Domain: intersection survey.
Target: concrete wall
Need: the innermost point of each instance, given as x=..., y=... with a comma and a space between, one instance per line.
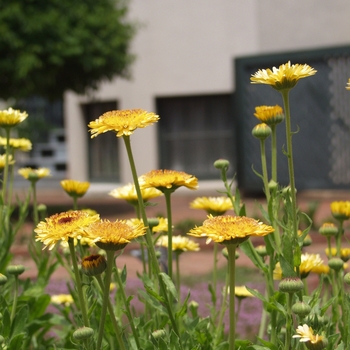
x=186, y=47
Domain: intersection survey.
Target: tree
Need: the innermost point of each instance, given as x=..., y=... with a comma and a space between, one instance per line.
x=50, y=46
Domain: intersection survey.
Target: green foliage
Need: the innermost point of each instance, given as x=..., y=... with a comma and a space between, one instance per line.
x=48, y=47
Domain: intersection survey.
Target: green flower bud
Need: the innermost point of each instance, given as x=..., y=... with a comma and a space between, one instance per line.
x=42, y=208
x=2, y=340
x=261, y=131
x=347, y=278
x=261, y=250
x=272, y=185
x=15, y=270
x=328, y=229
x=3, y=279
x=153, y=222
x=336, y=264
x=160, y=333
x=225, y=253
x=93, y=265
x=291, y=285
x=221, y=164
x=83, y=333
x=301, y=309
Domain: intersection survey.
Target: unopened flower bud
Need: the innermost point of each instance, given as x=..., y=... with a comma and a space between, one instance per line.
x=336, y=264
x=272, y=185
x=301, y=309
x=261, y=250
x=328, y=229
x=3, y=279
x=221, y=164
x=153, y=222
x=83, y=333
x=15, y=270
x=261, y=131
x=159, y=333
x=93, y=265
x=291, y=285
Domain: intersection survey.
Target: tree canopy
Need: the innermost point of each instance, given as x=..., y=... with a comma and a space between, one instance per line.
x=50, y=46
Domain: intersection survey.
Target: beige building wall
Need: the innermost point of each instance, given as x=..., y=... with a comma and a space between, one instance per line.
x=186, y=47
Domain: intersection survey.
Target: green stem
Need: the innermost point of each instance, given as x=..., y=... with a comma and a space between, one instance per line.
x=75, y=203
x=11, y=178
x=117, y=329
x=127, y=309
x=264, y=170
x=289, y=322
x=338, y=238
x=231, y=248
x=6, y=169
x=15, y=298
x=78, y=283
x=273, y=153
x=178, y=283
x=35, y=204
x=329, y=247
x=167, y=194
x=285, y=95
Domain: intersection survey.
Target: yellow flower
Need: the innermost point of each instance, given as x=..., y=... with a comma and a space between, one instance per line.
x=277, y=272
x=162, y=225
x=308, y=262
x=179, y=244
x=123, y=122
x=348, y=85
x=168, y=179
x=128, y=193
x=3, y=160
x=62, y=299
x=24, y=145
x=75, y=188
x=320, y=269
x=230, y=229
x=242, y=292
x=212, y=205
x=61, y=227
x=34, y=174
x=11, y=117
x=341, y=210
x=306, y=334
x=269, y=115
x=115, y=235
x=344, y=253
x=93, y=265
x=284, y=77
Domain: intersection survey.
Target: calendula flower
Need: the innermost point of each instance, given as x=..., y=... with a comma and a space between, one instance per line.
x=312, y=341
x=308, y=262
x=168, y=180
x=34, y=174
x=62, y=299
x=115, y=235
x=341, y=210
x=22, y=144
x=3, y=160
x=230, y=229
x=179, y=244
x=241, y=292
x=348, y=85
x=93, y=265
x=270, y=115
x=62, y=226
x=328, y=229
x=320, y=269
x=128, y=193
x=344, y=253
x=122, y=122
x=277, y=272
x=284, y=77
x=75, y=188
x=212, y=205
x=11, y=117
x=162, y=225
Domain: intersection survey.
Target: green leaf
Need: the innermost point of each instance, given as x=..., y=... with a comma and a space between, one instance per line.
x=19, y=322
x=248, y=249
x=287, y=268
x=6, y=323
x=169, y=284
x=268, y=344
x=16, y=342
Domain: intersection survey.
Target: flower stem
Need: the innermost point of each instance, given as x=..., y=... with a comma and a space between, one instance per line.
x=231, y=248
x=273, y=152
x=35, y=204
x=285, y=95
x=338, y=238
x=107, y=283
x=167, y=195
x=178, y=283
x=6, y=169
x=116, y=327
x=78, y=283
x=287, y=345
x=15, y=298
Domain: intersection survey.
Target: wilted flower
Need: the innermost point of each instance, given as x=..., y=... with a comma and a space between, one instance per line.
x=75, y=188
x=168, y=180
x=230, y=229
x=212, y=205
x=123, y=122
x=11, y=117
x=283, y=78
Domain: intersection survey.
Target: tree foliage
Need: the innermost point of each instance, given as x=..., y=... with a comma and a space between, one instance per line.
x=50, y=46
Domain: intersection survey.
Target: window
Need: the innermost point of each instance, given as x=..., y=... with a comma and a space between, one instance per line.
x=194, y=131
x=102, y=150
